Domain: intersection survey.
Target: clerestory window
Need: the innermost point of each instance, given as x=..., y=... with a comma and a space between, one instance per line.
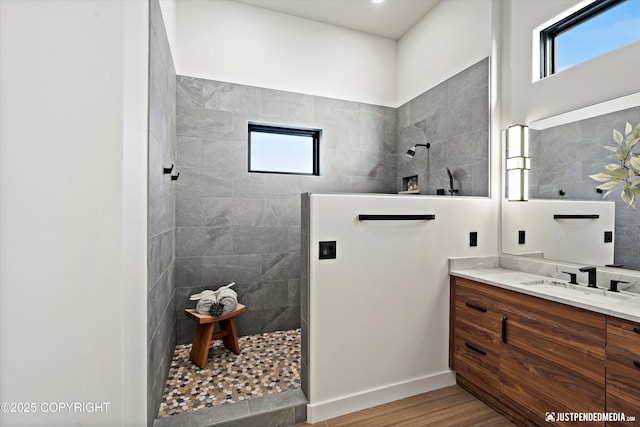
x=601, y=27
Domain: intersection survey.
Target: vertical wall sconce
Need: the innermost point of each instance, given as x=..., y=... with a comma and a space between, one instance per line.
x=518, y=163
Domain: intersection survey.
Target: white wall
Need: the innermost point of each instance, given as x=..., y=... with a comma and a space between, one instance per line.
x=168, y=8
x=379, y=312
x=228, y=41
x=524, y=100
x=450, y=38
x=73, y=78
x=237, y=43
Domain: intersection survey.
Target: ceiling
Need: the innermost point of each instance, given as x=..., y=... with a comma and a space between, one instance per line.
x=390, y=19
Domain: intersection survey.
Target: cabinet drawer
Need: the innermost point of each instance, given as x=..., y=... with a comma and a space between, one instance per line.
x=481, y=294
x=477, y=363
x=479, y=323
x=477, y=333
x=623, y=334
x=623, y=383
x=478, y=314
x=623, y=368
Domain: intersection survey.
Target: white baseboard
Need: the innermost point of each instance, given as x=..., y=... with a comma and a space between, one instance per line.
x=332, y=408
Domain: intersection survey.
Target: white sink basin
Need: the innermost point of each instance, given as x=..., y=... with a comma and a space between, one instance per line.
x=579, y=292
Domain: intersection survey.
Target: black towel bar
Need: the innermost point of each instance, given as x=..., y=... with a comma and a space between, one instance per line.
x=590, y=216
x=395, y=217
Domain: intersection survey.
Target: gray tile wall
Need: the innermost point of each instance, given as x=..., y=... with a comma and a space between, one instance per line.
x=563, y=157
x=161, y=337
x=454, y=117
x=235, y=226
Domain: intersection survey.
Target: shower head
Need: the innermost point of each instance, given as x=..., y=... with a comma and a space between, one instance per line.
x=412, y=151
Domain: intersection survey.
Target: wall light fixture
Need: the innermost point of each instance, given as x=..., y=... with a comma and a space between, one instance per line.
x=518, y=163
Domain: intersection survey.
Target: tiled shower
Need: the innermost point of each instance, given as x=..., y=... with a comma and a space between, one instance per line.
x=217, y=223
x=232, y=225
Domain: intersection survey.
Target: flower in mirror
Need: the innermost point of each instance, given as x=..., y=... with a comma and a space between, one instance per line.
x=625, y=173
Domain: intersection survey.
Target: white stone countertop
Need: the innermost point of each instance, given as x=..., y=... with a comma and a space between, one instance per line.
x=624, y=305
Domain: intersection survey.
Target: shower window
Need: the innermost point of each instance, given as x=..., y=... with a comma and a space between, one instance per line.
x=283, y=150
x=601, y=27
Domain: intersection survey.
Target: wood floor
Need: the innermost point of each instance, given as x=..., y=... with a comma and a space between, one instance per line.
x=450, y=406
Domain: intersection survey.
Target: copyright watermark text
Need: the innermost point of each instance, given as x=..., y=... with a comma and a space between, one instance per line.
x=54, y=407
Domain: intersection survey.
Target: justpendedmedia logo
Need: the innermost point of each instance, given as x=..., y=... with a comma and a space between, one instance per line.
x=551, y=417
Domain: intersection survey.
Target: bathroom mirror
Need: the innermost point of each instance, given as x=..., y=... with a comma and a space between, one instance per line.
x=564, y=151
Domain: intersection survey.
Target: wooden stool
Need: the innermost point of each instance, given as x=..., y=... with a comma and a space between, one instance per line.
x=205, y=325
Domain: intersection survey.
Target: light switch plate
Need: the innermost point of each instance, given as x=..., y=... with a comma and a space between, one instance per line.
x=521, y=237
x=328, y=250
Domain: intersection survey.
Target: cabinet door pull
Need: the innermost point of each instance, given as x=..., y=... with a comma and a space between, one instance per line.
x=477, y=350
x=504, y=329
x=636, y=330
x=636, y=364
x=475, y=307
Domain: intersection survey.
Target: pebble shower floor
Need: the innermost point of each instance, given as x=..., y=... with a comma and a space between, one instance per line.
x=267, y=364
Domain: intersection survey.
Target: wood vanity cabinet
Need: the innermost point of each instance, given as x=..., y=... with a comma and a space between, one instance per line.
x=526, y=356
x=623, y=369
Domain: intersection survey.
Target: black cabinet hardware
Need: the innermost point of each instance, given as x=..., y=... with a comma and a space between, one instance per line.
x=475, y=307
x=636, y=330
x=504, y=329
x=592, y=216
x=362, y=217
x=636, y=364
x=477, y=350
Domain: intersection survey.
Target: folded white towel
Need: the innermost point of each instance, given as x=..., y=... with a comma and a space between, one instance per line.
x=228, y=298
x=224, y=295
x=204, y=304
x=208, y=292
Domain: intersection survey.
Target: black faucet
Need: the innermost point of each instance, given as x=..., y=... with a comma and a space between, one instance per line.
x=452, y=190
x=572, y=277
x=592, y=275
x=614, y=285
